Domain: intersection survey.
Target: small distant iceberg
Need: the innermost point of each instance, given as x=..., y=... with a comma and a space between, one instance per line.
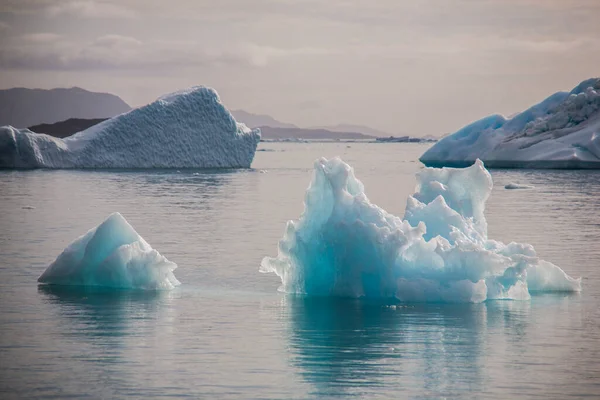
x=185, y=129
x=563, y=131
x=112, y=255
x=513, y=185
x=345, y=246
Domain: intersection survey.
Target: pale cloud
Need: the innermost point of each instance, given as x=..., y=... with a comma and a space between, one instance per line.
x=273, y=56
x=40, y=51
x=48, y=51
x=546, y=45
x=4, y=26
x=40, y=38
x=457, y=44
x=460, y=45
x=116, y=41
x=90, y=9
x=69, y=8
x=261, y=55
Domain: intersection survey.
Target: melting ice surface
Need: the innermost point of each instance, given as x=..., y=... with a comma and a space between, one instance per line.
x=112, y=255
x=186, y=129
x=343, y=245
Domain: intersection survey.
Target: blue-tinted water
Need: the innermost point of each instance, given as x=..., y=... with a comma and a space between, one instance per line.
x=227, y=333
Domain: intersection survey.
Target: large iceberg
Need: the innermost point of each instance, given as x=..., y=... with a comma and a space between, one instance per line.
x=343, y=245
x=185, y=129
x=562, y=131
x=112, y=255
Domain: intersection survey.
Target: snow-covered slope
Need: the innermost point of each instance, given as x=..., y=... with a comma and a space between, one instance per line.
x=185, y=129
x=343, y=245
x=562, y=131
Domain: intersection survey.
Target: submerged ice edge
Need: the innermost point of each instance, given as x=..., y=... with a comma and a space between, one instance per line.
x=112, y=255
x=343, y=245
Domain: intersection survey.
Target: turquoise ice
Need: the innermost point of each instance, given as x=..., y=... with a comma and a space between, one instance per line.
x=343, y=245
x=112, y=255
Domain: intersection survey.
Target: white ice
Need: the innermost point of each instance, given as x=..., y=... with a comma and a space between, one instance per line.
x=112, y=255
x=186, y=129
x=563, y=131
x=343, y=245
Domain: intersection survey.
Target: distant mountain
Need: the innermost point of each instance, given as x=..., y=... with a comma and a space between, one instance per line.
x=430, y=137
x=269, y=132
x=356, y=128
x=258, y=120
x=262, y=120
x=22, y=107
x=66, y=128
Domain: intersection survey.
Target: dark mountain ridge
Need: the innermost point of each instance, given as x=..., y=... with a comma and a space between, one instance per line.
x=66, y=128
x=22, y=107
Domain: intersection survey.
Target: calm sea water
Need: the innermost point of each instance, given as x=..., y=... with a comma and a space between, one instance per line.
x=227, y=332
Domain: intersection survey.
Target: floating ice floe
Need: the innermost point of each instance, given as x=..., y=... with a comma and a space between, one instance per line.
x=343, y=245
x=563, y=131
x=112, y=255
x=513, y=185
x=186, y=129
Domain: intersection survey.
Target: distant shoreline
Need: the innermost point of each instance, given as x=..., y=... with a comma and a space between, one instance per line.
x=71, y=126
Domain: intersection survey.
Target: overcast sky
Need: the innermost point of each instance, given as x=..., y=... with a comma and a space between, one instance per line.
x=417, y=67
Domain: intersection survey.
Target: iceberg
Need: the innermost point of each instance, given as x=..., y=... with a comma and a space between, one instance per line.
x=345, y=246
x=112, y=255
x=563, y=131
x=185, y=129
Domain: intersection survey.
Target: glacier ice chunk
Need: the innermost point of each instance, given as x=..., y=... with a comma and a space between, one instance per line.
x=562, y=131
x=343, y=245
x=185, y=129
x=112, y=255
x=513, y=185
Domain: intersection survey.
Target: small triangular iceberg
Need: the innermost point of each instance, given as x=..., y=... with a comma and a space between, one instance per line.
x=112, y=255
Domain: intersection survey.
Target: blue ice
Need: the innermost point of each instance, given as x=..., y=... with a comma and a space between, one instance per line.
x=343, y=245
x=112, y=255
x=559, y=132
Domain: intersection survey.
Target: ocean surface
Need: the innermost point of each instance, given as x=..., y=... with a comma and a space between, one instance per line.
x=227, y=333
